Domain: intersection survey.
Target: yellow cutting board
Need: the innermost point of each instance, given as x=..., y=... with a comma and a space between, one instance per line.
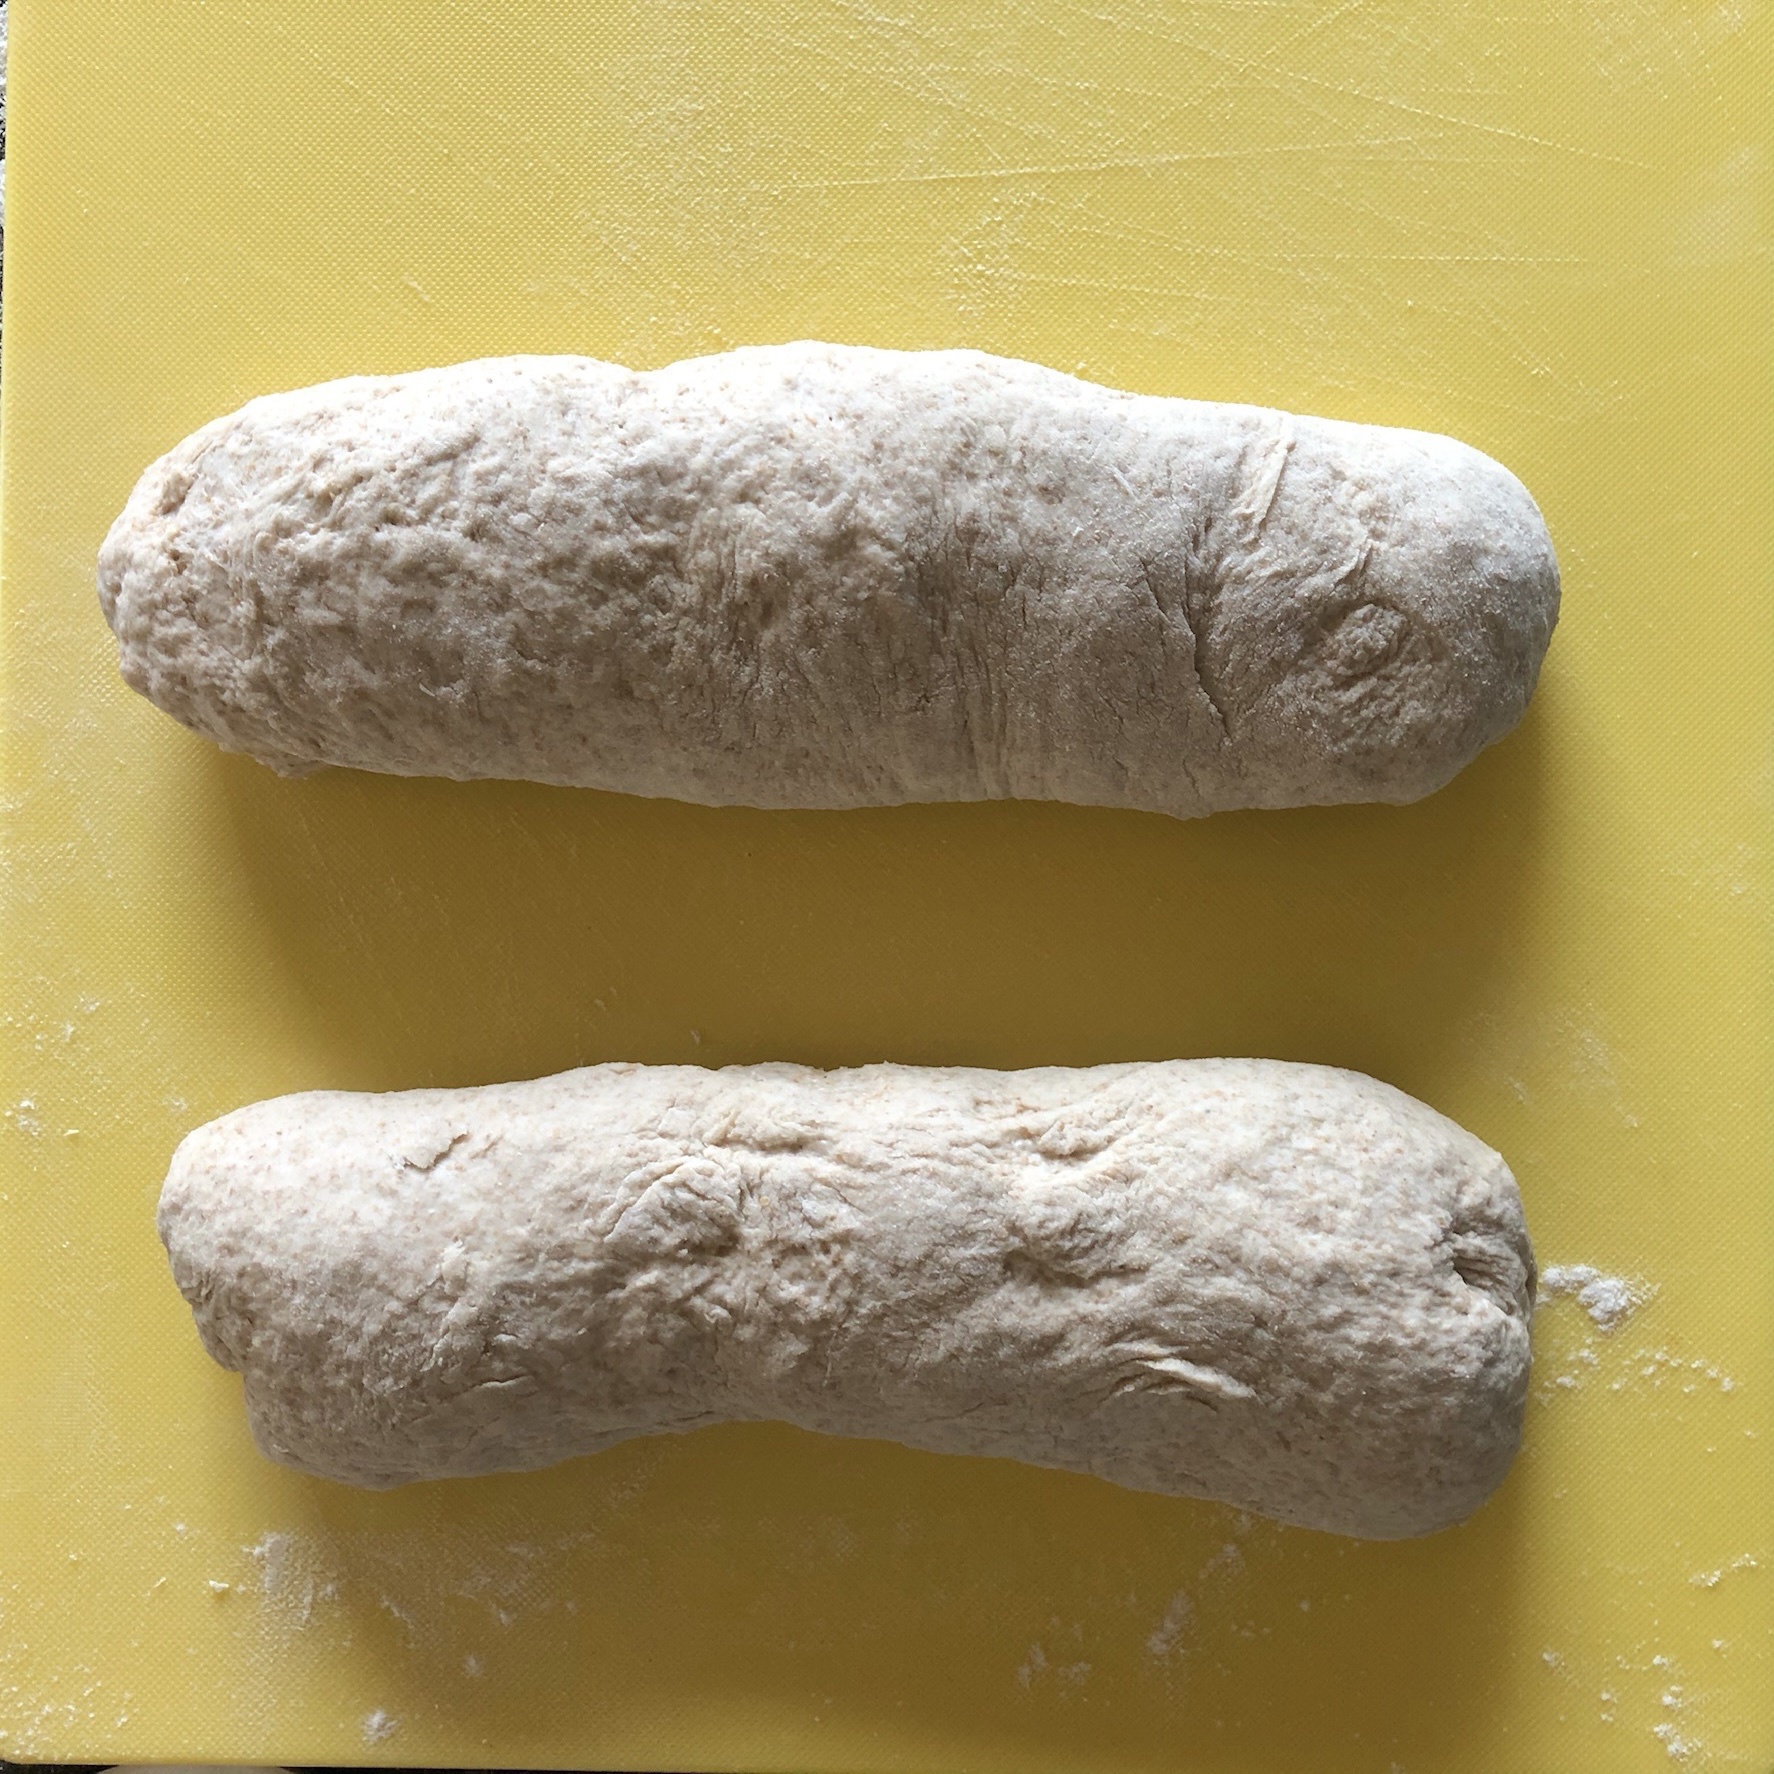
x=1543, y=229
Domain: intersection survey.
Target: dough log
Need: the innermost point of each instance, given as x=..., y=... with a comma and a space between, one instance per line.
x=1288, y=1288
x=825, y=576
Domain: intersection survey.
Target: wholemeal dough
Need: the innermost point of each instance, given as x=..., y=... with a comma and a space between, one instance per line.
x=1286, y=1287
x=825, y=576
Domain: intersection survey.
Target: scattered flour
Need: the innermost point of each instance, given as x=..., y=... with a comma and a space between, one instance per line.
x=379, y=1726
x=1169, y=1636
x=1227, y=1561
x=270, y=1554
x=1679, y=1748
x=303, y=1577
x=1037, y=1666
x=290, y=1577
x=1608, y=1299
x=1166, y=1635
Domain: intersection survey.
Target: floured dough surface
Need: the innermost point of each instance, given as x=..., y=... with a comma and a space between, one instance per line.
x=825, y=576
x=1286, y=1287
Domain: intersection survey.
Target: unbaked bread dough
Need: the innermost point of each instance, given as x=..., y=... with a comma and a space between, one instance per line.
x=1286, y=1287
x=825, y=576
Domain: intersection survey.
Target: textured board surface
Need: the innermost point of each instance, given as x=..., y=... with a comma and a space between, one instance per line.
x=1543, y=230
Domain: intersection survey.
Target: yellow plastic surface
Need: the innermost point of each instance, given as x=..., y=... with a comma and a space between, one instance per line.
x=1541, y=228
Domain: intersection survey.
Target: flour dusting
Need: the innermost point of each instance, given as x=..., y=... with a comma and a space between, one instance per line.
x=1037, y=1667
x=1164, y=1638
x=1679, y=1747
x=1173, y=1631
x=1608, y=1299
x=271, y=1553
x=379, y=1726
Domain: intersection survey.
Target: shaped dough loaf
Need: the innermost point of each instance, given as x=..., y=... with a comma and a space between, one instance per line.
x=823, y=576
x=1289, y=1288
